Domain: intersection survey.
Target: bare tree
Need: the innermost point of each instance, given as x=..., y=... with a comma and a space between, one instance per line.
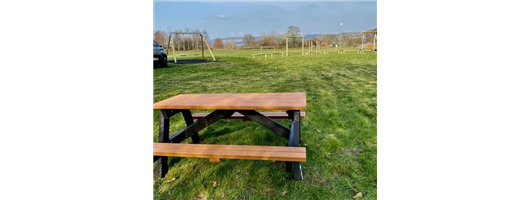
x=280, y=39
x=196, y=38
x=230, y=44
x=247, y=39
x=205, y=35
x=313, y=41
x=353, y=41
x=293, y=31
x=331, y=39
x=179, y=40
x=254, y=44
x=169, y=35
x=218, y=43
x=189, y=43
x=268, y=39
x=187, y=40
x=160, y=37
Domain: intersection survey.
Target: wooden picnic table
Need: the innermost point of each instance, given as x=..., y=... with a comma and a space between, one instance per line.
x=225, y=106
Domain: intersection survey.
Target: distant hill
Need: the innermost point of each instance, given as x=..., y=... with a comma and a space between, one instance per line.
x=239, y=40
x=311, y=36
x=344, y=34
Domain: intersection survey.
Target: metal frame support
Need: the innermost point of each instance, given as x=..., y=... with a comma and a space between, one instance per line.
x=189, y=121
x=200, y=124
x=163, y=136
x=193, y=127
x=294, y=141
x=266, y=122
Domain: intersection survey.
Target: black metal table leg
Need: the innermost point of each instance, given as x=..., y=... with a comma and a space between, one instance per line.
x=193, y=127
x=289, y=165
x=163, y=136
x=294, y=141
x=163, y=133
x=189, y=121
x=266, y=122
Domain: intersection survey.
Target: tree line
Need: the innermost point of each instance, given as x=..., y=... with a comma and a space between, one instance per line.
x=187, y=42
x=181, y=42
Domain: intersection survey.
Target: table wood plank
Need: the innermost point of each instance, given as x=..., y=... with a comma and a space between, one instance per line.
x=236, y=115
x=237, y=101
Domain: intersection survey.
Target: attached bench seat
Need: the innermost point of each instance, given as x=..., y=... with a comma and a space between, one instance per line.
x=236, y=115
x=217, y=152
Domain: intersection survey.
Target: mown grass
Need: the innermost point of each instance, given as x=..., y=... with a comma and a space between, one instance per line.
x=340, y=130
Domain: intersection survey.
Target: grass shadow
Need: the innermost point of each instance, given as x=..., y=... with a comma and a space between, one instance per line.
x=171, y=161
x=211, y=133
x=190, y=61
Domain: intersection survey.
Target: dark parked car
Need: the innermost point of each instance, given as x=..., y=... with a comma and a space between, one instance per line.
x=159, y=56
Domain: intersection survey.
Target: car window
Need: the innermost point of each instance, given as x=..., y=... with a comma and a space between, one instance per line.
x=155, y=44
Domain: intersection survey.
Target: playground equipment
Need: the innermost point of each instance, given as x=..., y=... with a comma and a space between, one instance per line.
x=337, y=51
x=265, y=54
x=317, y=47
x=287, y=44
x=202, y=45
x=258, y=54
x=261, y=48
x=373, y=45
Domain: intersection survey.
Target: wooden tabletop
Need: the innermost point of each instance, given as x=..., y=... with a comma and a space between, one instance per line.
x=239, y=101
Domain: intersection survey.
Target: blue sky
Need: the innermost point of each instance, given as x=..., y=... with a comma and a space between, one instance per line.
x=234, y=19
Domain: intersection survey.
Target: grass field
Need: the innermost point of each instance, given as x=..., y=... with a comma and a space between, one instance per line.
x=339, y=132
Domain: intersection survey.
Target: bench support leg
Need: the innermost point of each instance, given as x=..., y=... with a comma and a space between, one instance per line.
x=193, y=127
x=294, y=141
x=200, y=124
x=163, y=136
x=266, y=122
x=189, y=121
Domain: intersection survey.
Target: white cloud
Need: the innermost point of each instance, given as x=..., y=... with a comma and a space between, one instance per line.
x=221, y=16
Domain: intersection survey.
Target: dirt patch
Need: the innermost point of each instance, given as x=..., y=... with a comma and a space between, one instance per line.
x=314, y=180
x=353, y=152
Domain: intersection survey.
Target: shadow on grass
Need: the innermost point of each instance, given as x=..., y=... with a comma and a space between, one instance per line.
x=171, y=161
x=211, y=133
x=190, y=61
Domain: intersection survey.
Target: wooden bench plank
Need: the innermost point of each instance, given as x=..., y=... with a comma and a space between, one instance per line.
x=221, y=147
x=247, y=155
x=217, y=152
x=236, y=115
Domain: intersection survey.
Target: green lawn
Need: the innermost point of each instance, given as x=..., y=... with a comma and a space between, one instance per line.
x=340, y=130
